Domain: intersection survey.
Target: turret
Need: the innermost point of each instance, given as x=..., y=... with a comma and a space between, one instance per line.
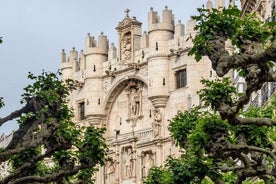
x=160, y=32
x=167, y=16
x=219, y=4
x=63, y=56
x=190, y=26
x=81, y=61
x=90, y=41
x=209, y=5
x=103, y=41
x=179, y=29
x=112, y=52
x=153, y=17
x=231, y=3
x=66, y=65
x=145, y=40
x=95, y=56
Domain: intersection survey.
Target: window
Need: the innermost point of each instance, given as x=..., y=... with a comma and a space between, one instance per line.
x=181, y=78
x=81, y=111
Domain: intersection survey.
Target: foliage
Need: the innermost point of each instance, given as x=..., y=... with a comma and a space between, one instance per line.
x=159, y=175
x=229, y=24
x=224, y=140
x=49, y=146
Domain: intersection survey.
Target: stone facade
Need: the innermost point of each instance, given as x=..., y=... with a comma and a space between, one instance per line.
x=264, y=8
x=5, y=167
x=135, y=89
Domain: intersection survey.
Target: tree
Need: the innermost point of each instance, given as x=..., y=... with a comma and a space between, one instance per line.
x=48, y=146
x=225, y=142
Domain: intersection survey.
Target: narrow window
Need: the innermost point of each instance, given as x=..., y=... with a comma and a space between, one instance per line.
x=181, y=78
x=81, y=111
x=164, y=81
x=94, y=68
x=156, y=46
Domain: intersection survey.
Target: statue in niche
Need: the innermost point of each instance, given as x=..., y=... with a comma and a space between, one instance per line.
x=134, y=102
x=148, y=162
x=134, y=92
x=126, y=47
x=156, y=125
x=128, y=163
x=110, y=172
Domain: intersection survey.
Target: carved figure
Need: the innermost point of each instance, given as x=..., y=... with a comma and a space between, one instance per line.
x=128, y=163
x=134, y=102
x=126, y=48
x=110, y=171
x=156, y=125
x=148, y=163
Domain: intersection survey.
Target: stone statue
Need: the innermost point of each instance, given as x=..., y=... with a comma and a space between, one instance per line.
x=135, y=100
x=128, y=163
x=148, y=162
x=110, y=171
x=156, y=125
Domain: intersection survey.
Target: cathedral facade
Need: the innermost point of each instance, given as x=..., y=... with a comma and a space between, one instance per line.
x=135, y=89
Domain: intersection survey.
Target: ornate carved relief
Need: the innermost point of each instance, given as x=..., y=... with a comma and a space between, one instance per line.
x=126, y=48
x=134, y=93
x=127, y=157
x=156, y=124
x=147, y=162
x=110, y=170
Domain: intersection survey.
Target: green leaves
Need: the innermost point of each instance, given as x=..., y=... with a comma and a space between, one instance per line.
x=182, y=124
x=217, y=92
x=93, y=148
x=47, y=132
x=159, y=175
x=228, y=23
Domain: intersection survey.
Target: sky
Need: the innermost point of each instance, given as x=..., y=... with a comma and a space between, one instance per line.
x=35, y=31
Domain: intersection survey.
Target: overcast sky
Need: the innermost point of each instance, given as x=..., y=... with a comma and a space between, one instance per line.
x=35, y=31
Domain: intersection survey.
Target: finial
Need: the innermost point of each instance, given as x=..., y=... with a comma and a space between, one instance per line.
x=93, y=37
x=151, y=8
x=179, y=21
x=134, y=18
x=166, y=7
x=81, y=50
x=231, y=3
x=102, y=33
x=73, y=48
x=88, y=34
x=62, y=50
x=127, y=11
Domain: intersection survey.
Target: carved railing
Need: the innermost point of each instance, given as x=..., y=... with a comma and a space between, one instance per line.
x=141, y=135
x=144, y=134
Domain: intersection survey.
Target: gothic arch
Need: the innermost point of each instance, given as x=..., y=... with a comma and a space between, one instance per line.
x=116, y=89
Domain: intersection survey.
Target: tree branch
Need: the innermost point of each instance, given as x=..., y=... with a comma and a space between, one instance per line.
x=14, y=114
x=51, y=177
x=246, y=148
x=256, y=121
